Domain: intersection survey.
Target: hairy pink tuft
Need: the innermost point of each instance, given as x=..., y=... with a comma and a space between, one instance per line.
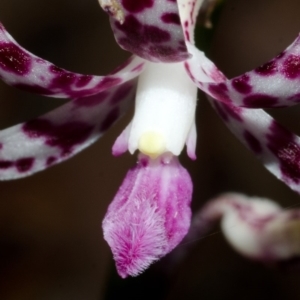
x=150, y=214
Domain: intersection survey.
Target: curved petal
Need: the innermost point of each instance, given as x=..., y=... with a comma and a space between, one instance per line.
x=257, y=228
x=274, y=145
x=150, y=29
x=189, y=10
x=38, y=144
x=274, y=84
x=24, y=70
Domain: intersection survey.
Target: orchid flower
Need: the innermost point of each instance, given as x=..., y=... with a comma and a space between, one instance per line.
x=150, y=213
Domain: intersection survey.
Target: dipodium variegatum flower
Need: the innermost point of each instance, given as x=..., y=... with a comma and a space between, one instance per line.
x=150, y=213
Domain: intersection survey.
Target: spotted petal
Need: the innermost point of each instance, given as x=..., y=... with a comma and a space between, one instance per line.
x=274, y=145
x=24, y=70
x=150, y=29
x=50, y=139
x=277, y=147
x=189, y=10
x=274, y=84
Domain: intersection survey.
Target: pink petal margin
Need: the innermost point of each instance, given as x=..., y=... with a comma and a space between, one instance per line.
x=149, y=215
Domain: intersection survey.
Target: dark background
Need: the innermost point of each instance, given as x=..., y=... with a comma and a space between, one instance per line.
x=51, y=244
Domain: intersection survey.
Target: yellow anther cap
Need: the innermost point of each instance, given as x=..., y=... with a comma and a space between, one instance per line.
x=152, y=144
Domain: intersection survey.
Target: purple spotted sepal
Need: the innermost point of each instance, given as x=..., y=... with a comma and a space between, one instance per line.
x=150, y=29
x=149, y=215
x=24, y=70
x=274, y=84
x=257, y=228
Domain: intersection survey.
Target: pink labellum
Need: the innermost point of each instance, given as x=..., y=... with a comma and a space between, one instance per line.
x=150, y=29
x=149, y=215
x=24, y=70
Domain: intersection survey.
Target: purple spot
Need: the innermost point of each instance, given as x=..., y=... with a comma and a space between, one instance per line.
x=136, y=6
x=83, y=80
x=139, y=34
x=145, y=41
x=291, y=67
x=232, y=111
x=282, y=144
x=227, y=111
x=38, y=128
x=162, y=51
x=187, y=67
x=138, y=68
x=6, y=164
x=260, y=101
x=144, y=161
x=248, y=216
x=50, y=161
x=155, y=35
x=62, y=79
x=192, y=11
x=219, y=91
x=295, y=98
x=24, y=164
x=187, y=35
x=170, y=18
x=216, y=75
x=252, y=142
x=121, y=93
x=181, y=48
x=64, y=136
x=92, y=100
x=241, y=84
x=110, y=119
x=267, y=69
x=131, y=27
x=13, y=59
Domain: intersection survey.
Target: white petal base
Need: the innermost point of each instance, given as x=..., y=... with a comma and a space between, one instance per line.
x=164, y=111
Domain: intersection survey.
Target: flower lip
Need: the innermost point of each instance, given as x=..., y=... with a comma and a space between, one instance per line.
x=150, y=213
